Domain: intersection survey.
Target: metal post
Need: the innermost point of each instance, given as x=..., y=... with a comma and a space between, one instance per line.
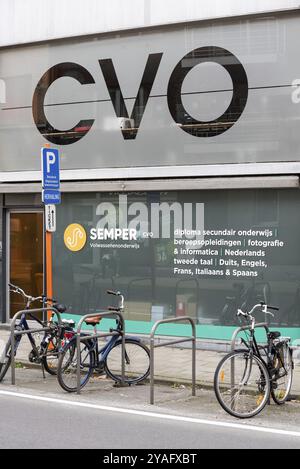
x=152, y=370
x=78, y=361
x=123, y=354
x=12, y=351
x=232, y=381
x=194, y=362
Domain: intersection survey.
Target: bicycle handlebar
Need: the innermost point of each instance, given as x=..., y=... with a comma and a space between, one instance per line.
x=274, y=308
x=115, y=293
x=119, y=294
x=17, y=289
x=261, y=305
x=31, y=299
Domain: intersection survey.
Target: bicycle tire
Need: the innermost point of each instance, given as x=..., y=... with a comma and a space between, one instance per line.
x=249, y=397
x=5, y=366
x=280, y=390
x=67, y=366
x=137, y=361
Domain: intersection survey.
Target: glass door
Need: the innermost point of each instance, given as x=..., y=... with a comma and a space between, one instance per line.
x=25, y=256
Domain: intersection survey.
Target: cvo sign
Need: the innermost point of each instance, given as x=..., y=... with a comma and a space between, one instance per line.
x=130, y=124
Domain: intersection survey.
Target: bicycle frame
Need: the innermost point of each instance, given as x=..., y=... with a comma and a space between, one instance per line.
x=255, y=348
x=254, y=369
x=23, y=324
x=93, y=344
x=100, y=353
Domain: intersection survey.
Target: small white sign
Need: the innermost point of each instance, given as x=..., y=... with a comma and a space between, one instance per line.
x=50, y=218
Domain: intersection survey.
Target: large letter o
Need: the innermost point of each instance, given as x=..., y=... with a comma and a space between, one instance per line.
x=236, y=106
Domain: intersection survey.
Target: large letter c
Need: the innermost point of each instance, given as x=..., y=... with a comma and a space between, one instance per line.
x=59, y=137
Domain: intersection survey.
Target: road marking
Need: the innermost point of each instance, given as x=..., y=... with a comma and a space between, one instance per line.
x=153, y=415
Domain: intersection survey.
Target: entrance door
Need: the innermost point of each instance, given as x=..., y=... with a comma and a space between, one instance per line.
x=25, y=262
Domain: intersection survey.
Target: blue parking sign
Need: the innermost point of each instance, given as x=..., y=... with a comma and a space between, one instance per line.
x=50, y=168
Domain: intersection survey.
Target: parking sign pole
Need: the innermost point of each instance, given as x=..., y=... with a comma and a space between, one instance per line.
x=49, y=274
x=50, y=197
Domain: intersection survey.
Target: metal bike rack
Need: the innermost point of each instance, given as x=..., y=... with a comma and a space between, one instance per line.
x=177, y=341
x=14, y=333
x=80, y=339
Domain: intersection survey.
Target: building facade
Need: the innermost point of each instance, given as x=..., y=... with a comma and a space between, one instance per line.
x=179, y=145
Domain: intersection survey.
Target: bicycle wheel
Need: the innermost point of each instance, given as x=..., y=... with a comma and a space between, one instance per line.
x=242, y=384
x=67, y=365
x=6, y=361
x=283, y=377
x=137, y=362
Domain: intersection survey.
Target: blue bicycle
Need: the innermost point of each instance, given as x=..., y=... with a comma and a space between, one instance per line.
x=107, y=359
x=46, y=351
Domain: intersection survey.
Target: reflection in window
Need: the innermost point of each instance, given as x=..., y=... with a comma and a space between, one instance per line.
x=239, y=97
x=242, y=259
x=60, y=137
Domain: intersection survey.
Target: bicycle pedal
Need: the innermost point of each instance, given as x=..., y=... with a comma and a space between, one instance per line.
x=99, y=367
x=32, y=357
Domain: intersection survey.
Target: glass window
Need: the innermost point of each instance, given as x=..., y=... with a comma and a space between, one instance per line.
x=26, y=257
x=208, y=93
x=2, y=312
x=201, y=253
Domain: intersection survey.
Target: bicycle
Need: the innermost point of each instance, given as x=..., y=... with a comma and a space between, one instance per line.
x=107, y=359
x=46, y=353
x=246, y=378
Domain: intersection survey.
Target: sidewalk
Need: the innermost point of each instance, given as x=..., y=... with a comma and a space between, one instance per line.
x=173, y=364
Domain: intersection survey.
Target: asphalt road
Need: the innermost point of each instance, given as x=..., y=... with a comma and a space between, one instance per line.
x=26, y=423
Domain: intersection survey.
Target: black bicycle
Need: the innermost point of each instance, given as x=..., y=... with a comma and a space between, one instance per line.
x=246, y=378
x=107, y=359
x=46, y=351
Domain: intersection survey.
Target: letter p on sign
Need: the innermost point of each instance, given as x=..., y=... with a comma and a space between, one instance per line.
x=50, y=157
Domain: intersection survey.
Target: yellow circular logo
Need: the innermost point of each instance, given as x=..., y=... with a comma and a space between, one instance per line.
x=75, y=237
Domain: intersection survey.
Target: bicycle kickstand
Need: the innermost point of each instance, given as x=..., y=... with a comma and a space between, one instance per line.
x=43, y=370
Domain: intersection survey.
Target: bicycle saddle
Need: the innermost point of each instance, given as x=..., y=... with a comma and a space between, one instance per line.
x=93, y=321
x=274, y=335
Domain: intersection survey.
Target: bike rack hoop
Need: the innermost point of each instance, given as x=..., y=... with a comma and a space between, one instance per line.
x=172, y=342
x=14, y=333
x=80, y=338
